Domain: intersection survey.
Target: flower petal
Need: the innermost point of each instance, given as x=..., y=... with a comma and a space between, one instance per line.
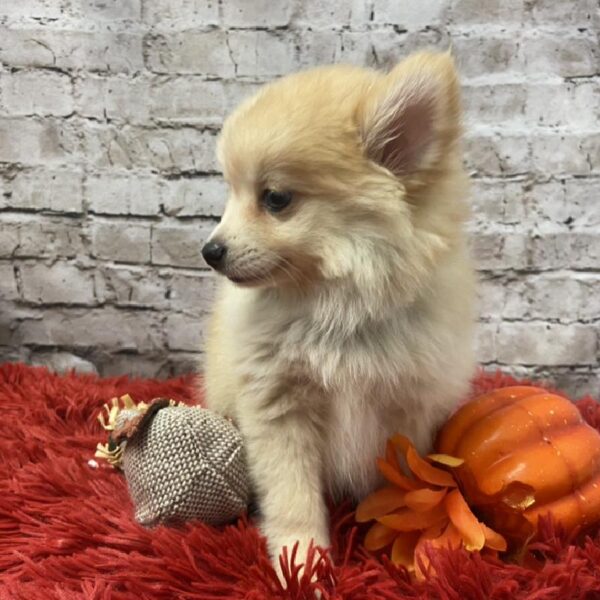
x=465, y=521
x=401, y=442
x=450, y=538
x=446, y=459
x=391, y=457
x=493, y=539
x=423, y=470
x=394, y=476
x=379, y=536
x=424, y=499
x=380, y=503
x=420, y=467
x=403, y=550
x=410, y=520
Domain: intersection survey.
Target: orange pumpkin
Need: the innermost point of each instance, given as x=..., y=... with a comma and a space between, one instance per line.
x=526, y=453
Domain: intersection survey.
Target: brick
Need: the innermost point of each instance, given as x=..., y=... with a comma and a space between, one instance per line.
x=151, y=364
x=486, y=334
x=189, y=100
x=491, y=12
x=24, y=237
x=38, y=9
x=258, y=13
x=10, y=354
x=583, y=13
x=496, y=104
x=574, y=203
x=168, y=150
x=499, y=250
x=121, y=241
x=409, y=15
x=195, y=197
x=75, y=50
x=317, y=47
x=568, y=297
x=62, y=362
x=35, y=93
x=135, y=365
x=193, y=294
x=582, y=196
x=60, y=283
x=113, y=98
x=184, y=14
x=184, y=363
x=8, y=282
x=83, y=10
x=184, y=333
x=123, y=194
x=194, y=100
x=578, y=153
x=261, y=53
x=492, y=292
x=565, y=250
x=540, y=200
x=10, y=234
x=201, y=52
x=132, y=286
x=110, y=10
x=545, y=344
x=493, y=154
x=44, y=142
x=498, y=201
x=566, y=55
x=57, y=191
x=332, y=14
x=383, y=48
x=487, y=55
x=180, y=245
x=105, y=328
x=575, y=383
x=573, y=105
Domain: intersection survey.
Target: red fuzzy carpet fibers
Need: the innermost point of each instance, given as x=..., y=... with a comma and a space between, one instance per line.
x=67, y=532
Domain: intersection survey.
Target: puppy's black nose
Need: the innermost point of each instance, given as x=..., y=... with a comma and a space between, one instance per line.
x=214, y=253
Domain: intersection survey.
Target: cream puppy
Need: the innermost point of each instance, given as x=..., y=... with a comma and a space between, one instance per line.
x=345, y=313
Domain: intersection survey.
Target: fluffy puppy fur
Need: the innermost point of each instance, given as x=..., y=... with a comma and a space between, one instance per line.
x=347, y=315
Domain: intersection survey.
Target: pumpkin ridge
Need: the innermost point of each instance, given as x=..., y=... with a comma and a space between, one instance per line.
x=456, y=430
x=571, y=471
x=577, y=496
x=507, y=408
x=476, y=423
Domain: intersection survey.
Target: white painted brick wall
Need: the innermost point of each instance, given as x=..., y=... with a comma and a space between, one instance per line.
x=109, y=112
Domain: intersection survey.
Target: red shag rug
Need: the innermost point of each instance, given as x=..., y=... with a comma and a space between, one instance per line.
x=67, y=532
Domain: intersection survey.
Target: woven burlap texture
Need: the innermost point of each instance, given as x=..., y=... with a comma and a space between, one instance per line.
x=186, y=463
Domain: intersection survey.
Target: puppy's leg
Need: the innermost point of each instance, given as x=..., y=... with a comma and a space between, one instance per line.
x=284, y=446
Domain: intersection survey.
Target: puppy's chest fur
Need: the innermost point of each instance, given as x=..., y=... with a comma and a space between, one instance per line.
x=361, y=382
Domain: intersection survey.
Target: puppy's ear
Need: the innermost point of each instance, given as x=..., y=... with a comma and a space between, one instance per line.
x=410, y=118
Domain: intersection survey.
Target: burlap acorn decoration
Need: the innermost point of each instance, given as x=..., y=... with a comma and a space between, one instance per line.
x=180, y=462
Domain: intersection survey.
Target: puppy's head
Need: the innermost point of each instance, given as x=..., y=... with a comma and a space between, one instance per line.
x=341, y=173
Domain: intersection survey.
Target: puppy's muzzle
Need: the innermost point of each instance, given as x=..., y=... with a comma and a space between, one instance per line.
x=214, y=254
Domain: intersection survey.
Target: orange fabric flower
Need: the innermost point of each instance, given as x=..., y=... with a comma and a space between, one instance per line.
x=425, y=507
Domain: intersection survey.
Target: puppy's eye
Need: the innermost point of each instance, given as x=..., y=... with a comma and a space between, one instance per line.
x=276, y=201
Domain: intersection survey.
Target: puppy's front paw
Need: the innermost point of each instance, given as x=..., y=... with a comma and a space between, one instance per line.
x=295, y=556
